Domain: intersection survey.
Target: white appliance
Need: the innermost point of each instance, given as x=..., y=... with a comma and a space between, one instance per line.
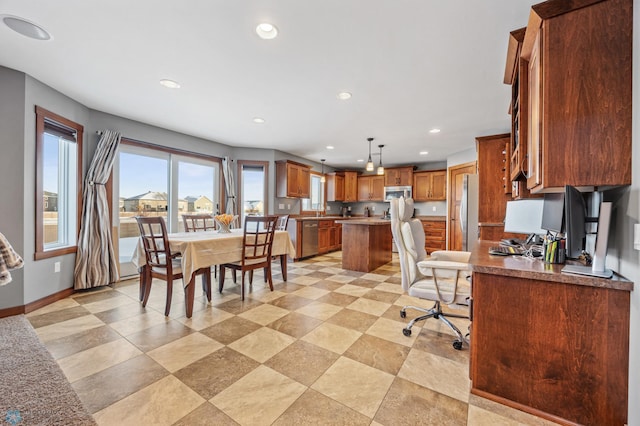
x=469, y=212
x=391, y=192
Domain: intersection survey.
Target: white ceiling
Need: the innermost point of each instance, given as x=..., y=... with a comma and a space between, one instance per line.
x=411, y=65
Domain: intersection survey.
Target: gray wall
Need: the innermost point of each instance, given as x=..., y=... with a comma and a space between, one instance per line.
x=12, y=191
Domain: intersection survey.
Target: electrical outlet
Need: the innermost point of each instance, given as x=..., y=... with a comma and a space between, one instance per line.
x=281, y=206
x=288, y=206
x=434, y=208
x=328, y=207
x=56, y=267
x=373, y=208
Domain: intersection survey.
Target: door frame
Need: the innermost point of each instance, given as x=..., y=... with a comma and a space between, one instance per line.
x=470, y=167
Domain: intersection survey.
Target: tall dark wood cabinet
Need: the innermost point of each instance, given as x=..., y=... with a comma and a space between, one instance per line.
x=491, y=183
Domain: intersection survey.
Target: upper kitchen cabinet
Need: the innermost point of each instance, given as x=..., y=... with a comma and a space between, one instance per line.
x=579, y=57
x=430, y=185
x=350, y=186
x=371, y=188
x=398, y=176
x=292, y=179
x=515, y=74
x=335, y=186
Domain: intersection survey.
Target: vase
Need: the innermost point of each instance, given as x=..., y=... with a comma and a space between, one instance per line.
x=223, y=228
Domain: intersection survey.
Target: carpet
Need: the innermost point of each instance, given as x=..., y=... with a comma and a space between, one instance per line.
x=33, y=388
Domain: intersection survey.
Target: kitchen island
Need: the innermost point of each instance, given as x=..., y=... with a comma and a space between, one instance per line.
x=366, y=243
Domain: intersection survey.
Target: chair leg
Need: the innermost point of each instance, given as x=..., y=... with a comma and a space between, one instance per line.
x=264, y=272
x=269, y=276
x=221, y=278
x=207, y=274
x=215, y=271
x=143, y=277
x=251, y=277
x=147, y=287
x=167, y=307
x=235, y=281
x=242, y=285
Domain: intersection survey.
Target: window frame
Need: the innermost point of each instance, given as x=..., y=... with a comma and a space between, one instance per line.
x=43, y=115
x=239, y=184
x=322, y=211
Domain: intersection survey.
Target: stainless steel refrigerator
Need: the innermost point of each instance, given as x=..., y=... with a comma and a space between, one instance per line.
x=469, y=212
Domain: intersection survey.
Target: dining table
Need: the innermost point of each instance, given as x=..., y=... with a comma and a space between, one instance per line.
x=209, y=248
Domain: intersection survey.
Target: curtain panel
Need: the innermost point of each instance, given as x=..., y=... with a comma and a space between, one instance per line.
x=230, y=188
x=96, y=264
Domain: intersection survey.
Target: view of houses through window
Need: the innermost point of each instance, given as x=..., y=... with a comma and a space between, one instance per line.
x=158, y=183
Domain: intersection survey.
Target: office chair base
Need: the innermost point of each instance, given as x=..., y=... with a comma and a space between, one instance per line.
x=436, y=312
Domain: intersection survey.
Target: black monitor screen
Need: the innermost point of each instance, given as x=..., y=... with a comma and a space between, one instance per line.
x=553, y=212
x=575, y=211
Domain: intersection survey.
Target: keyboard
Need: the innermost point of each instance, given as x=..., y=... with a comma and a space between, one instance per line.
x=506, y=251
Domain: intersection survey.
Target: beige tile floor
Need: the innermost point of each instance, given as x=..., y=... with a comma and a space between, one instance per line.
x=325, y=347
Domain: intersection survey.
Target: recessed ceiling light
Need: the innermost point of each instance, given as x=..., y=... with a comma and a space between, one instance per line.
x=360, y=160
x=424, y=152
x=267, y=31
x=26, y=28
x=344, y=96
x=434, y=131
x=258, y=120
x=329, y=147
x=170, y=84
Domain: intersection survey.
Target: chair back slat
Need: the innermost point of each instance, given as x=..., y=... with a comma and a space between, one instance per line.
x=153, y=233
x=198, y=222
x=283, y=221
x=258, y=238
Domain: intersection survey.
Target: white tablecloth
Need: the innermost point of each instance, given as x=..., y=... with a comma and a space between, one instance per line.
x=208, y=248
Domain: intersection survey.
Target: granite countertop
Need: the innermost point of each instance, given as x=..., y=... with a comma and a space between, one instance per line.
x=523, y=267
x=432, y=218
x=371, y=221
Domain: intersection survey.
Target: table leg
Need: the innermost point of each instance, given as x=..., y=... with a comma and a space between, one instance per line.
x=283, y=266
x=190, y=294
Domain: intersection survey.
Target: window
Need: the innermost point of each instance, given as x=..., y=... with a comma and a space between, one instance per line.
x=253, y=188
x=58, y=184
x=316, y=200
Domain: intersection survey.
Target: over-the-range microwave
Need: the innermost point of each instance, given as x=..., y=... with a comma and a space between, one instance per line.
x=391, y=192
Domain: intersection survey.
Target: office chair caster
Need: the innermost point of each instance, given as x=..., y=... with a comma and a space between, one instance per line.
x=403, y=314
x=457, y=344
x=406, y=331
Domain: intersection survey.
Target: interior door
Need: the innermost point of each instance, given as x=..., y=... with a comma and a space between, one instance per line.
x=456, y=174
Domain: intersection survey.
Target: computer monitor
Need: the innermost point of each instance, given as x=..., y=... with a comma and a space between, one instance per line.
x=575, y=212
x=524, y=217
x=553, y=212
x=597, y=268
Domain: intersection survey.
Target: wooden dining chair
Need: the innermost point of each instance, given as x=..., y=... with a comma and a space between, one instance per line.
x=198, y=222
x=281, y=225
x=161, y=263
x=257, y=242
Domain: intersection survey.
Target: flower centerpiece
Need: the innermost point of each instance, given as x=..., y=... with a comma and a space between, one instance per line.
x=224, y=222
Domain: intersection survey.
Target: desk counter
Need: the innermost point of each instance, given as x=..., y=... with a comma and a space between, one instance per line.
x=551, y=344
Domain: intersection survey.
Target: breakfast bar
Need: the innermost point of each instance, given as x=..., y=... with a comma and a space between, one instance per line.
x=366, y=244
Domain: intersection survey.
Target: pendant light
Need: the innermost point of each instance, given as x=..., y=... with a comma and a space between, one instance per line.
x=369, y=167
x=380, y=168
x=322, y=178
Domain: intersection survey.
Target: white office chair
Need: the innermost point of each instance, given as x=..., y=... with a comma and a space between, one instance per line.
x=442, y=277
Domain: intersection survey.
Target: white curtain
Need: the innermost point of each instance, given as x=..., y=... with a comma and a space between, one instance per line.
x=230, y=188
x=96, y=264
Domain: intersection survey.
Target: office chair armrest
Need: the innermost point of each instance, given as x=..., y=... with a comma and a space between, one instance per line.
x=442, y=264
x=450, y=255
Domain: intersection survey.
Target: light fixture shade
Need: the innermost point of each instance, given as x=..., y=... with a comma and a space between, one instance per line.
x=380, y=168
x=322, y=178
x=369, y=166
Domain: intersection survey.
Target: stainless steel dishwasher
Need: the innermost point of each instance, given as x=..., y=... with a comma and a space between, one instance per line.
x=309, y=238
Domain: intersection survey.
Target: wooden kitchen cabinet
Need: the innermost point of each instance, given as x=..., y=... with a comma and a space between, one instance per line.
x=350, y=186
x=323, y=236
x=435, y=235
x=430, y=185
x=292, y=179
x=516, y=74
x=371, y=188
x=579, y=128
x=398, y=176
x=335, y=186
x=491, y=181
